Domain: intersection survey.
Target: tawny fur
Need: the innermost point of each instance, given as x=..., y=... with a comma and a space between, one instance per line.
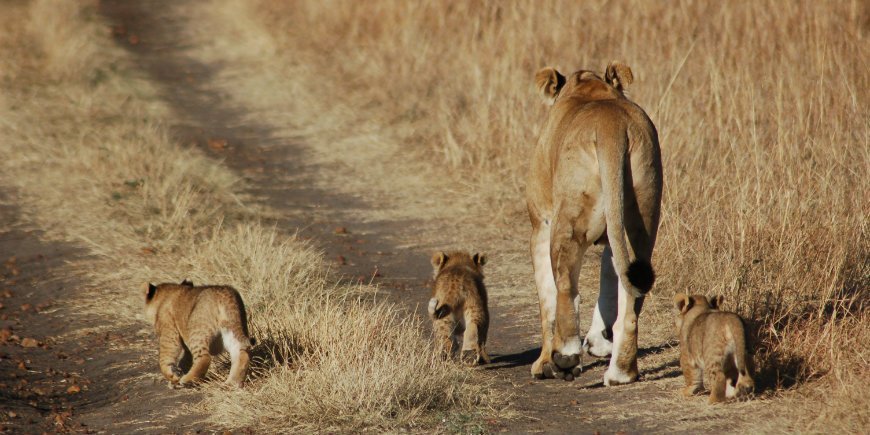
x=195, y=323
x=459, y=305
x=595, y=177
x=712, y=346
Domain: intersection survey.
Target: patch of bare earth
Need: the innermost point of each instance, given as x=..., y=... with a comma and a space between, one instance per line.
x=60, y=370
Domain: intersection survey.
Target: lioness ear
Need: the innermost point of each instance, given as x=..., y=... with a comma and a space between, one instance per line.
x=548, y=81
x=716, y=302
x=149, y=293
x=187, y=283
x=479, y=259
x=618, y=75
x=438, y=260
x=682, y=302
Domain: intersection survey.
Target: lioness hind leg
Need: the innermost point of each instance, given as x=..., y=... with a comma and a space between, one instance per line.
x=567, y=251
x=540, y=248
x=599, y=339
x=623, y=359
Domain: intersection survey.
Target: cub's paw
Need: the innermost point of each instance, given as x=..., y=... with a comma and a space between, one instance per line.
x=173, y=383
x=690, y=390
x=188, y=382
x=177, y=372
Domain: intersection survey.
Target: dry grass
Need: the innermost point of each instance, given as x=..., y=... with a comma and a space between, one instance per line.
x=86, y=150
x=762, y=111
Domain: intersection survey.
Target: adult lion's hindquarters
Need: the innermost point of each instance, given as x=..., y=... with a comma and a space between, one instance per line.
x=595, y=175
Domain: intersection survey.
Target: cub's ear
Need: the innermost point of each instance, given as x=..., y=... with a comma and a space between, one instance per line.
x=618, y=75
x=187, y=283
x=716, y=302
x=438, y=260
x=549, y=82
x=150, y=292
x=479, y=259
x=682, y=302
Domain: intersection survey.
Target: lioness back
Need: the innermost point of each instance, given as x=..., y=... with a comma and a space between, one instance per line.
x=459, y=304
x=196, y=323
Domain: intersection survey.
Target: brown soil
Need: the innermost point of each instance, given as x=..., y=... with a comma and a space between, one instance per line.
x=61, y=370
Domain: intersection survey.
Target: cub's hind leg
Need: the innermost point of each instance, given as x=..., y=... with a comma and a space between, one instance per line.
x=200, y=347
x=237, y=345
x=444, y=329
x=693, y=374
x=170, y=350
x=474, y=339
x=717, y=386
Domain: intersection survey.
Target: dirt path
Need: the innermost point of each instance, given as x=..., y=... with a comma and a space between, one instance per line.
x=61, y=370
x=277, y=171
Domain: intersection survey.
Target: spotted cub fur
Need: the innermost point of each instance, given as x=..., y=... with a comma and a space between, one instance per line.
x=194, y=323
x=712, y=345
x=458, y=305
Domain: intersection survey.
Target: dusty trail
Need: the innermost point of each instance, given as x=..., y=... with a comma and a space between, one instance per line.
x=64, y=371
x=278, y=174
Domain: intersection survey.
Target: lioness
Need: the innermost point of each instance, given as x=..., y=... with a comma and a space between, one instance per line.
x=595, y=177
x=459, y=305
x=712, y=344
x=194, y=323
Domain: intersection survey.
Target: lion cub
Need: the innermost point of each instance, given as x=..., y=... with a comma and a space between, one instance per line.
x=194, y=323
x=459, y=304
x=712, y=342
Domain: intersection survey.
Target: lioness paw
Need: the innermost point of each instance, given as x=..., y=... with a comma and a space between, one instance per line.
x=473, y=357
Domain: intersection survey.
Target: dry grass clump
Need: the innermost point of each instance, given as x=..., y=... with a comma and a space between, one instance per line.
x=329, y=358
x=762, y=114
x=88, y=155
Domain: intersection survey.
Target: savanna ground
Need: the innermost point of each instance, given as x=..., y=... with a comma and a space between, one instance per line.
x=304, y=151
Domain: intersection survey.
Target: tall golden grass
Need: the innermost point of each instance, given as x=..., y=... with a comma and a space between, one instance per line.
x=762, y=110
x=87, y=153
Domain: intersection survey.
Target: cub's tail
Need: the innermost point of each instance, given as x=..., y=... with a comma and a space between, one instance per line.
x=438, y=309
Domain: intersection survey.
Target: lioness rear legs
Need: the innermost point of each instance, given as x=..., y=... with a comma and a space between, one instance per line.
x=560, y=351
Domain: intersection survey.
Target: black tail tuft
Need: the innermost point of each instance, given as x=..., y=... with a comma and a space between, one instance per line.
x=641, y=276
